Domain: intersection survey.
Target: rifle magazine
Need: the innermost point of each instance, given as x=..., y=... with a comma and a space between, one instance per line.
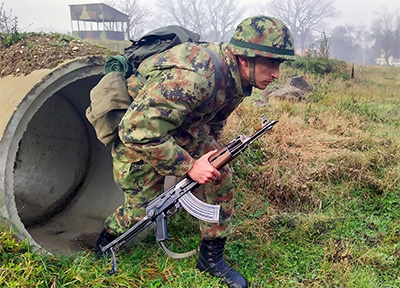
x=199, y=209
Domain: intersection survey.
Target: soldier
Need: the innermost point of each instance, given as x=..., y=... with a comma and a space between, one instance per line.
x=175, y=122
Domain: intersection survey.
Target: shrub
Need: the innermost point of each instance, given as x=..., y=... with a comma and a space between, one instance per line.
x=321, y=66
x=8, y=28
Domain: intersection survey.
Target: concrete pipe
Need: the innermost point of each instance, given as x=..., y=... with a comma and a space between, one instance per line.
x=56, y=184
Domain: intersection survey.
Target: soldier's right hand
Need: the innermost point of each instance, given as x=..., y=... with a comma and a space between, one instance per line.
x=202, y=171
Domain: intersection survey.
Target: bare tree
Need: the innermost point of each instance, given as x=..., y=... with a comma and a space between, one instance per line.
x=223, y=17
x=386, y=33
x=213, y=20
x=137, y=15
x=304, y=17
x=186, y=13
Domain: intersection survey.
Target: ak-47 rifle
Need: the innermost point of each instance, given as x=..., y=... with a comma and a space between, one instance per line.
x=180, y=196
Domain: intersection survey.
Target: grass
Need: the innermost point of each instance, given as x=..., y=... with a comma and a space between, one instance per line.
x=317, y=201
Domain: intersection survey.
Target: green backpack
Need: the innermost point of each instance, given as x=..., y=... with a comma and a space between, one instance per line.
x=109, y=99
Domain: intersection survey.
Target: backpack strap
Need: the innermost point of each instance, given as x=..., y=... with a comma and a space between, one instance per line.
x=138, y=75
x=217, y=67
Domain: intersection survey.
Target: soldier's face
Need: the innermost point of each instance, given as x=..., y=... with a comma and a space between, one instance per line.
x=266, y=71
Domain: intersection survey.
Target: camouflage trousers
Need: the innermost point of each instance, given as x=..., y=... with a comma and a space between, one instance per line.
x=141, y=183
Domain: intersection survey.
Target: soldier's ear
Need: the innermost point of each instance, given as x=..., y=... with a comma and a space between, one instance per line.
x=243, y=61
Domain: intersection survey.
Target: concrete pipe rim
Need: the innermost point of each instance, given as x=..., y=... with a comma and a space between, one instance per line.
x=53, y=81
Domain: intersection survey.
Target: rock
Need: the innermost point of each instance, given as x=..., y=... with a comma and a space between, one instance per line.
x=301, y=83
x=288, y=92
x=294, y=91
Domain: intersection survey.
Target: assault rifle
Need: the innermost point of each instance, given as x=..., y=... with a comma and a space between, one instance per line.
x=179, y=196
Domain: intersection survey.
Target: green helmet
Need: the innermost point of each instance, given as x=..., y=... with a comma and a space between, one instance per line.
x=263, y=36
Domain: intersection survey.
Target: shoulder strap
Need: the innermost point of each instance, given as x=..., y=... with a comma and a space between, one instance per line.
x=218, y=71
x=138, y=75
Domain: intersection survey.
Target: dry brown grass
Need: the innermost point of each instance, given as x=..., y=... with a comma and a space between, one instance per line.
x=310, y=146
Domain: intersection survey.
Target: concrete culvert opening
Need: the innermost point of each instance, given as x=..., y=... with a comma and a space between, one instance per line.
x=56, y=177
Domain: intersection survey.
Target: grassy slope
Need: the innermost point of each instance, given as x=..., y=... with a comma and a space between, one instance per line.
x=317, y=201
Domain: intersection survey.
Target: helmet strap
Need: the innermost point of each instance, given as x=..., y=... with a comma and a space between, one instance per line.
x=252, y=68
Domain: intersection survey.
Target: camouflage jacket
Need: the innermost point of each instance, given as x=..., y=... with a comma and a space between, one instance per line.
x=177, y=98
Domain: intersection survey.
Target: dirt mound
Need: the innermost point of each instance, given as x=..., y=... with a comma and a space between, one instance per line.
x=36, y=52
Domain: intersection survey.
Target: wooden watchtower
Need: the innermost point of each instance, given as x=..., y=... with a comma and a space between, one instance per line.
x=99, y=21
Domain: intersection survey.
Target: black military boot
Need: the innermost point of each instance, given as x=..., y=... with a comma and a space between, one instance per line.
x=210, y=260
x=103, y=240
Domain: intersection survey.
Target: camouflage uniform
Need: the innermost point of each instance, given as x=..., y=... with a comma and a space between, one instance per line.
x=178, y=116
x=175, y=118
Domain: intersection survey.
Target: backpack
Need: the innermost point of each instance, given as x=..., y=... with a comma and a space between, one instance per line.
x=158, y=41
x=109, y=99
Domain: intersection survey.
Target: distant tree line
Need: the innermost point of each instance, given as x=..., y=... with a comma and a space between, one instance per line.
x=307, y=20
x=215, y=20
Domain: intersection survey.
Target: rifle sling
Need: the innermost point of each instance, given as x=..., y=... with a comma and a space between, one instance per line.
x=178, y=255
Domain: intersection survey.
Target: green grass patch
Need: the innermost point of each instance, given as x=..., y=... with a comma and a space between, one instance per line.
x=317, y=201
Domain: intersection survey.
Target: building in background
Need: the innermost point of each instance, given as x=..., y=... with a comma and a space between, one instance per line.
x=98, y=21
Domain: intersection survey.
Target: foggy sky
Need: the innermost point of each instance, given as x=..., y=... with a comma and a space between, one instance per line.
x=54, y=15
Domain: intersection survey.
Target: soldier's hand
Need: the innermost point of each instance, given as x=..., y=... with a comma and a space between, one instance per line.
x=202, y=171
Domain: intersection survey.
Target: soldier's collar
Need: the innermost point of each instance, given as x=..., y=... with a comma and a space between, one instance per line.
x=231, y=62
x=247, y=90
